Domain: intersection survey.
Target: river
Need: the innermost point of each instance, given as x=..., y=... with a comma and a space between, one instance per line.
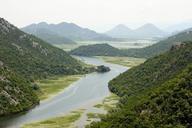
x=91, y=88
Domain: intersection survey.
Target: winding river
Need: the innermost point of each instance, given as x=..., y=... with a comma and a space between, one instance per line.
x=89, y=89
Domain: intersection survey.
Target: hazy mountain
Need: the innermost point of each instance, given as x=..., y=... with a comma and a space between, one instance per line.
x=179, y=27
x=69, y=30
x=46, y=34
x=147, y=31
x=23, y=59
x=120, y=31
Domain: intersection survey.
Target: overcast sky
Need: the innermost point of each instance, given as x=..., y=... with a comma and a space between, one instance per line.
x=99, y=15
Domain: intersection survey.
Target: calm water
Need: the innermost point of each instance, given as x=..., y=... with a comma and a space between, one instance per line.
x=92, y=87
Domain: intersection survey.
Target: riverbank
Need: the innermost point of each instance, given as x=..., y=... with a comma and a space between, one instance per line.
x=48, y=88
x=124, y=61
x=80, y=117
x=89, y=113
x=85, y=93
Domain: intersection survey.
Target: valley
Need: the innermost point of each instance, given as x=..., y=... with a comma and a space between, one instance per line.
x=96, y=64
x=73, y=97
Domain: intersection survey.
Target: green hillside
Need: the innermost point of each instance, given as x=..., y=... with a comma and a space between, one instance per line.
x=155, y=94
x=31, y=57
x=159, y=47
x=15, y=93
x=23, y=59
x=96, y=50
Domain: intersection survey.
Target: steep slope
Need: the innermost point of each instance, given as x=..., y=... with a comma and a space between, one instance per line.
x=48, y=36
x=69, y=30
x=161, y=46
x=23, y=59
x=155, y=94
x=32, y=57
x=96, y=50
x=15, y=93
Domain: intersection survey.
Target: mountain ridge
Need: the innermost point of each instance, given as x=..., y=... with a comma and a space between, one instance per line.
x=71, y=31
x=146, y=31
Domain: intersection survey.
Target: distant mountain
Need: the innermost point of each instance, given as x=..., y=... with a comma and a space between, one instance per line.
x=68, y=30
x=161, y=46
x=96, y=50
x=120, y=31
x=179, y=27
x=47, y=35
x=147, y=31
x=23, y=59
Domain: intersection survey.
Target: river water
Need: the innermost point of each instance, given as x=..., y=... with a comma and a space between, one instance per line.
x=91, y=88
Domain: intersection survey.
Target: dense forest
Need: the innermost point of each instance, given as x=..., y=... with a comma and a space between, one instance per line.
x=155, y=94
x=23, y=59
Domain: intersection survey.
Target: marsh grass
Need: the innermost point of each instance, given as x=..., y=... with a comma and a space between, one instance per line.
x=125, y=61
x=109, y=102
x=54, y=85
x=57, y=122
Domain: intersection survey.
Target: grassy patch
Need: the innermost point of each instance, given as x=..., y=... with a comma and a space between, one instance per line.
x=109, y=102
x=53, y=85
x=93, y=115
x=125, y=61
x=57, y=122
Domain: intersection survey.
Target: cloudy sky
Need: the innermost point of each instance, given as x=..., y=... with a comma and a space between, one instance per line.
x=99, y=15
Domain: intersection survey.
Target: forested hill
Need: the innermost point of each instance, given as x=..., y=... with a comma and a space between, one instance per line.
x=23, y=59
x=96, y=50
x=156, y=94
x=160, y=47
x=31, y=57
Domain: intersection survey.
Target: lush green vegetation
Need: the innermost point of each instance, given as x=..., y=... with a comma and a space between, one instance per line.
x=66, y=121
x=15, y=93
x=51, y=86
x=155, y=94
x=96, y=50
x=24, y=59
x=33, y=58
x=125, y=61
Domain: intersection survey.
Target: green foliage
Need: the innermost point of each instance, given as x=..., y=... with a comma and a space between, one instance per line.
x=15, y=93
x=156, y=94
